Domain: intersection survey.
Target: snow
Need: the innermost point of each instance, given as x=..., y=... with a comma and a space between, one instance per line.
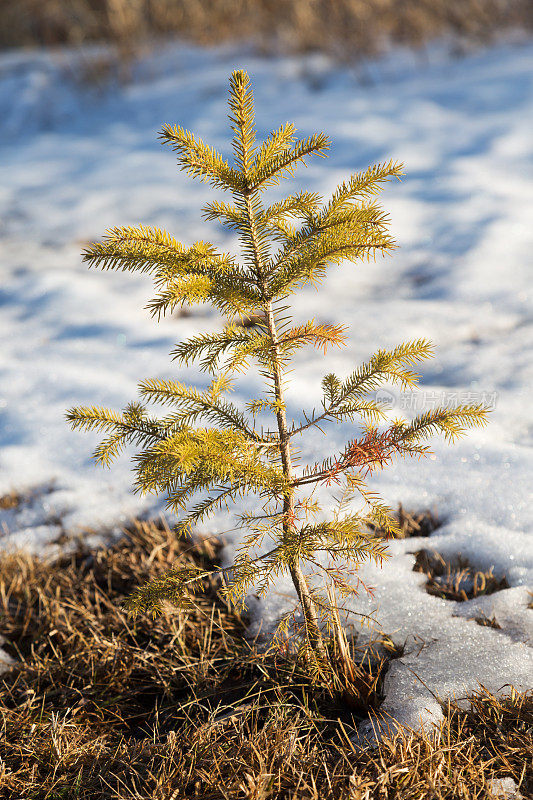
x=6, y=661
x=76, y=159
x=504, y=788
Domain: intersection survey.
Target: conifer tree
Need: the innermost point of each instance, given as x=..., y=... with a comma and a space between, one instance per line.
x=208, y=451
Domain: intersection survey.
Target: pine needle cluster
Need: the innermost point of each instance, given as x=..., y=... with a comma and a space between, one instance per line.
x=208, y=451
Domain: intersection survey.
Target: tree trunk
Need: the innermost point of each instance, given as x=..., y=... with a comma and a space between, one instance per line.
x=312, y=627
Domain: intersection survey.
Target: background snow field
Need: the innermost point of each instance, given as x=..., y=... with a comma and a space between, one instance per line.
x=76, y=160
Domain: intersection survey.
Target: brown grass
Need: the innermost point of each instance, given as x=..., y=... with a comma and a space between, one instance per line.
x=344, y=28
x=455, y=578
x=101, y=706
x=413, y=523
x=10, y=500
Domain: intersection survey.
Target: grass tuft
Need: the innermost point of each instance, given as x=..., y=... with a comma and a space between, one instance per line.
x=455, y=578
x=9, y=501
x=412, y=523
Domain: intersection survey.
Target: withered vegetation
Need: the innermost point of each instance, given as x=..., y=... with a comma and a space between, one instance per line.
x=346, y=29
x=412, y=523
x=103, y=706
x=456, y=578
x=9, y=501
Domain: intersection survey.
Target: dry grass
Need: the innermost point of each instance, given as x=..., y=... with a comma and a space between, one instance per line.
x=101, y=706
x=344, y=28
x=9, y=501
x=413, y=523
x=455, y=578
x=417, y=523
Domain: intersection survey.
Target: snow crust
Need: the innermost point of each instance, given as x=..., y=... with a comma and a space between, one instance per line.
x=504, y=788
x=76, y=160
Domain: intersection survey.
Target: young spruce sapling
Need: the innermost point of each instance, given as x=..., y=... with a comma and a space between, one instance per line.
x=209, y=451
